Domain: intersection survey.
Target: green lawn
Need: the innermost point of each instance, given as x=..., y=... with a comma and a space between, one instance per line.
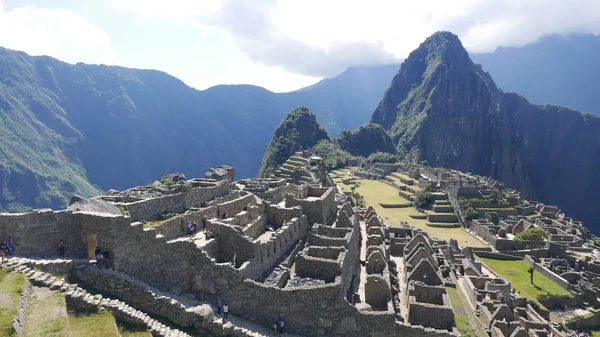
x=460, y=314
x=516, y=273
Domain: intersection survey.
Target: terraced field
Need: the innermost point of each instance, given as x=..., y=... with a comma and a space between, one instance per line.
x=47, y=314
x=375, y=192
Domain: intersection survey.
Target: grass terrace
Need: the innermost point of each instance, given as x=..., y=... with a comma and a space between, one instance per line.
x=461, y=316
x=11, y=286
x=375, y=192
x=516, y=273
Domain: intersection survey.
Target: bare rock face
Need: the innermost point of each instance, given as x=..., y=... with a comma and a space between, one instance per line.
x=81, y=204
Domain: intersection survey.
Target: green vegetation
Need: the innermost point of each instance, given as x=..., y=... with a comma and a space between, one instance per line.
x=101, y=324
x=298, y=130
x=460, y=315
x=382, y=157
x=333, y=157
x=535, y=237
x=470, y=213
x=483, y=200
x=517, y=273
x=356, y=197
x=122, y=209
x=11, y=286
x=366, y=140
x=422, y=199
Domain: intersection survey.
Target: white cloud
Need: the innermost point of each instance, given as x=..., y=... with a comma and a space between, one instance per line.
x=321, y=38
x=60, y=33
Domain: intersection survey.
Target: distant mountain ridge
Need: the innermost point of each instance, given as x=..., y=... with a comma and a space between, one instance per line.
x=79, y=129
x=443, y=108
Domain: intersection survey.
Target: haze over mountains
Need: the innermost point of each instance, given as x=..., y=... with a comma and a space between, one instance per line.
x=69, y=129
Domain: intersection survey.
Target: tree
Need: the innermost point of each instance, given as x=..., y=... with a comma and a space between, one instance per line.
x=470, y=213
x=531, y=270
x=422, y=199
x=534, y=237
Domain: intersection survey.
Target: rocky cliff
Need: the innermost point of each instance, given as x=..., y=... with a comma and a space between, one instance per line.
x=443, y=108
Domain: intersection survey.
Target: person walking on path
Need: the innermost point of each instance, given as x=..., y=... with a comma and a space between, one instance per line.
x=276, y=328
x=281, y=325
x=61, y=248
x=219, y=306
x=225, y=310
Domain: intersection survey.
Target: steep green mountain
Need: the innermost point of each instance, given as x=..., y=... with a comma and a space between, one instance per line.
x=443, y=108
x=78, y=129
x=298, y=130
x=365, y=140
x=556, y=70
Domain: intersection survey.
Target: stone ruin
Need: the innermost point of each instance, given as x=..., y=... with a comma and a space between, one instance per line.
x=501, y=312
x=285, y=252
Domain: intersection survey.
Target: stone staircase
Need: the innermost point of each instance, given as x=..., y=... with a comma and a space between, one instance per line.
x=80, y=300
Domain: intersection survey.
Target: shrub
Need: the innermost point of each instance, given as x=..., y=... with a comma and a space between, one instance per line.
x=535, y=237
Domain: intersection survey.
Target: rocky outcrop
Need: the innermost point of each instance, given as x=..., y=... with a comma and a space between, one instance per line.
x=443, y=108
x=96, y=205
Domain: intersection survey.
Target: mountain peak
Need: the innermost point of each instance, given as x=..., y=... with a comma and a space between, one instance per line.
x=439, y=62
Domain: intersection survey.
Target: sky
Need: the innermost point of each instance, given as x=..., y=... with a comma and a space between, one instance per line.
x=282, y=45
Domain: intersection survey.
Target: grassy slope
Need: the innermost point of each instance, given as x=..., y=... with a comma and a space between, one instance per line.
x=516, y=273
x=11, y=285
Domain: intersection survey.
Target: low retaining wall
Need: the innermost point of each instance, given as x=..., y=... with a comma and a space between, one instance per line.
x=143, y=296
x=395, y=205
x=549, y=274
x=19, y=321
x=497, y=256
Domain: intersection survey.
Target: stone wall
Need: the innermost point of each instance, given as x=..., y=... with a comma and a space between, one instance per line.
x=19, y=321
x=318, y=204
x=150, y=209
x=549, y=274
x=143, y=296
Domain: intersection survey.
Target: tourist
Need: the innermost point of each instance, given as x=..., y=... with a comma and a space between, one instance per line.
x=276, y=328
x=106, y=258
x=225, y=310
x=11, y=247
x=3, y=250
x=219, y=306
x=188, y=226
x=97, y=251
x=204, y=222
x=99, y=260
x=6, y=247
x=194, y=227
x=61, y=248
x=281, y=325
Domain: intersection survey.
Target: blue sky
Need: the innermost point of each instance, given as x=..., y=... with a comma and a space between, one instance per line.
x=282, y=45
